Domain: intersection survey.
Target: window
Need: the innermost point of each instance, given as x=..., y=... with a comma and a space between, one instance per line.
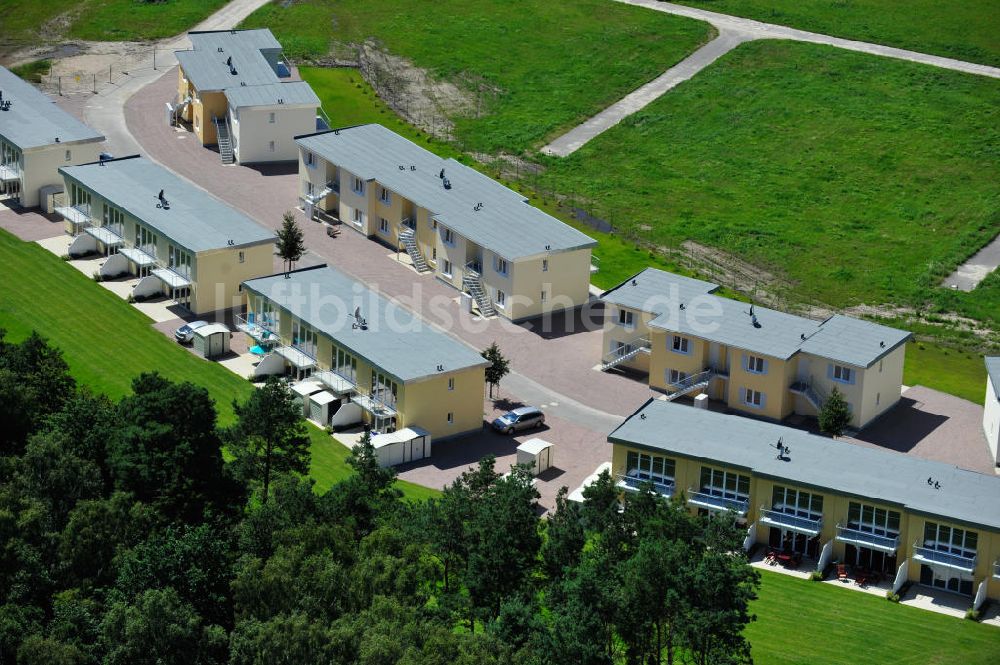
x=384, y=196
x=384, y=389
x=649, y=467
x=69, y=155
x=842, y=374
x=451, y=383
x=451, y=418
x=114, y=219
x=359, y=185
x=501, y=266
x=359, y=217
x=868, y=518
x=626, y=319
x=545, y=265
x=675, y=376
x=679, y=344
x=242, y=256
x=383, y=225
x=545, y=296
x=270, y=146
x=795, y=502
x=756, y=365
x=880, y=367
x=446, y=269
x=310, y=160
x=310, y=189
x=178, y=260
x=753, y=398
x=501, y=299
x=449, y=236
x=878, y=398
x=345, y=364
x=950, y=539
x=434, y=253
x=725, y=484
x=270, y=118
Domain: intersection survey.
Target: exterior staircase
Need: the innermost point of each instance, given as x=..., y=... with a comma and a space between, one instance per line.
x=225, y=140
x=690, y=384
x=812, y=394
x=472, y=282
x=625, y=353
x=409, y=239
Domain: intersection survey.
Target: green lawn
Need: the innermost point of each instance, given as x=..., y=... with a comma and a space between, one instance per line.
x=966, y=30
x=544, y=66
x=803, y=623
x=107, y=342
x=28, y=22
x=858, y=179
x=959, y=373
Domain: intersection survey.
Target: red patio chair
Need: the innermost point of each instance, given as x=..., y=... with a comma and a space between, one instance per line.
x=841, y=571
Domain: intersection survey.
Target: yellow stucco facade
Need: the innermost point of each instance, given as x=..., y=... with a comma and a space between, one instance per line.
x=843, y=524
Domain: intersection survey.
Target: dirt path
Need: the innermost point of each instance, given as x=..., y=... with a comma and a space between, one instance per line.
x=733, y=31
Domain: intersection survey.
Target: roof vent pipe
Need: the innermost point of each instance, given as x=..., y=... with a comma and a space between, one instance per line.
x=447, y=183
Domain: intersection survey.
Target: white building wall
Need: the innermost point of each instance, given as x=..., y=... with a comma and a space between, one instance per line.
x=254, y=132
x=991, y=421
x=41, y=166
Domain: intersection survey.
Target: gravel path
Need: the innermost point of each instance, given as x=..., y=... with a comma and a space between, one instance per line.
x=733, y=31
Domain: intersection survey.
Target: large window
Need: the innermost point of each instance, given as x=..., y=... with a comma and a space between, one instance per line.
x=304, y=337
x=384, y=389
x=79, y=197
x=114, y=219
x=179, y=261
x=753, y=398
x=145, y=240
x=385, y=196
x=725, y=484
x=950, y=539
x=626, y=319
x=649, y=467
x=680, y=344
x=843, y=374
x=870, y=519
x=345, y=364
x=797, y=502
x=756, y=365
x=359, y=186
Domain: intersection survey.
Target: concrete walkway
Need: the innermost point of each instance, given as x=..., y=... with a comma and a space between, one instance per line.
x=968, y=275
x=574, y=139
x=105, y=111
x=733, y=31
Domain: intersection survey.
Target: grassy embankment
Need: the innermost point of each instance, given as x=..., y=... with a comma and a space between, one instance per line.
x=107, y=342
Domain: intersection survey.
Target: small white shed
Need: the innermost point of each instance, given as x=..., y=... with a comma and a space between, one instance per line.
x=211, y=341
x=322, y=405
x=537, y=453
x=404, y=445
x=302, y=390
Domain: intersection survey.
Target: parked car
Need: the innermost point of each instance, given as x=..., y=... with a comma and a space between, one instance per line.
x=521, y=418
x=185, y=333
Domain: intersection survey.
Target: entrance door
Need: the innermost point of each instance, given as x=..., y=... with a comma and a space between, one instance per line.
x=946, y=580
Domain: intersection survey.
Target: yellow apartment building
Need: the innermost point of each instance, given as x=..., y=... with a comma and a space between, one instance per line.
x=466, y=229
x=235, y=90
x=36, y=138
x=754, y=359
x=367, y=351
x=908, y=519
x=181, y=241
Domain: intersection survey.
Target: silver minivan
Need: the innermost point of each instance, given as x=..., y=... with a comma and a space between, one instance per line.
x=521, y=418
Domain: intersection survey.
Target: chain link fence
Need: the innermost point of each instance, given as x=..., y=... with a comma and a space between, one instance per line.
x=107, y=70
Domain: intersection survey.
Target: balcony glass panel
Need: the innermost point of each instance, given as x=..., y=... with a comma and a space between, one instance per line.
x=931, y=556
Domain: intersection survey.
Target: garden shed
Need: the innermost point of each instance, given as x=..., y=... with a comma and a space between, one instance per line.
x=211, y=341
x=537, y=453
x=404, y=445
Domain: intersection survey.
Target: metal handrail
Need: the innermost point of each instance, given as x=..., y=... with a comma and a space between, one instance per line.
x=639, y=344
x=791, y=520
x=693, y=380
x=474, y=267
x=635, y=483
x=949, y=559
x=858, y=535
x=738, y=505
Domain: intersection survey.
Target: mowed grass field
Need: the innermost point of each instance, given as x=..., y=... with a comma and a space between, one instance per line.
x=26, y=23
x=965, y=30
x=853, y=178
x=805, y=623
x=107, y=342
x=943, y=368
x=532, y=67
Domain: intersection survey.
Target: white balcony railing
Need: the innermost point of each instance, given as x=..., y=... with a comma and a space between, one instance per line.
x=797, y=523
x=854, y=536
x=717, y=501
x=929, y=555
x=635, y=482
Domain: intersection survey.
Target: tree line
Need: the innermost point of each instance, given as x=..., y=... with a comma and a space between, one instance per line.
x=140, y=531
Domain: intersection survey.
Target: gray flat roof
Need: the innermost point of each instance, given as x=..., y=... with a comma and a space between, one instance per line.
x=726, y=321
x=652, y=290
x=397, y=340
x=814, y=461
x=505, y=223
x=290, y=93
x=196, y=220
x=34, y=120
x=993, y=371
x=206, y=67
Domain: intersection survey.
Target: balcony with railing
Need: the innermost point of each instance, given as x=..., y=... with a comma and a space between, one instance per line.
x=261, y=329
x=336, y=381
x=106, y=235
x=298, y=357
x=874, y=541
x=712, y=501
x=374, y=405
x=626, y=352
x=782, y=520
x=331, y=187
x=9, y=172
x=935, y=557
x=78, y=215
x=634, y=482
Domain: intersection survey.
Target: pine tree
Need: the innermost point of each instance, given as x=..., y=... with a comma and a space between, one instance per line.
x=835, y=414
x=291, y=244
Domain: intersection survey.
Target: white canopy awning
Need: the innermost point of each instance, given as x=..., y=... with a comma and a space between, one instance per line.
x=104, y=235
x=137, y=256
x=307, y=387
x=297, y=358
x=73, y=215
x=172, y=279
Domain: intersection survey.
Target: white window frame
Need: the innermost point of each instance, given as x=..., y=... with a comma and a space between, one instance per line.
x=756, y=365
x=271, y=118
x=675, y=376
x=383, y=225
x=680, y=344
x=358, y=217
x=69, y=155
x=358, y=186
x=846, y=374
x=501, y=266
x=448, y=237
x=501, y=299
x=310, y=159
x=385, y=196
x=451, y=418
x=446, y=268
x=626, y=319
x=545, y=295
x=754, y=398
x=242, y=256
x=545, y=265
x=270, y=146
x=451, y=383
